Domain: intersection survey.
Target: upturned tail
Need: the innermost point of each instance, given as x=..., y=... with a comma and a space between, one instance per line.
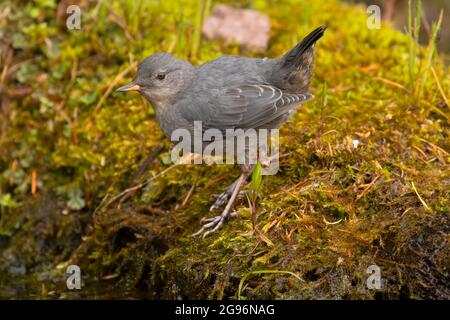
x=295, y=68
x=294, y=57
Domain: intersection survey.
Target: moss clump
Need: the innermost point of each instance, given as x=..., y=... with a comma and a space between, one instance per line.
x=363, y=179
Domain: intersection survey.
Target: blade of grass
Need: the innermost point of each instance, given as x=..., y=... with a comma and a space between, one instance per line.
x=420, y=198
x=417, y=25
x=114, y=83
x=181, y=34
x=196, y=38
x=411, y=57
x=439, y=86
x=207, y=9
x=306, y=15
x=418, y=20
x=430, y=51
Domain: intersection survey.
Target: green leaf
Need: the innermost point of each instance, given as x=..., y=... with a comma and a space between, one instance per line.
x=324, y=94
x=7, y=201
x=88, y=98
x=166, y=159
x=26, y=72
x=20, y=41
x=76, y=201
x=256, y=177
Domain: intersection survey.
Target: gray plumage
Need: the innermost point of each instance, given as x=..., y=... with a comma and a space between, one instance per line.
x=230, y=92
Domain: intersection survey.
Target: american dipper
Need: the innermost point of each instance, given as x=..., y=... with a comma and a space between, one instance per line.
x=230, y=92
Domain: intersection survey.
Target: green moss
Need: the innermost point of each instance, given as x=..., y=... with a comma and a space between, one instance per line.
x=330, y=212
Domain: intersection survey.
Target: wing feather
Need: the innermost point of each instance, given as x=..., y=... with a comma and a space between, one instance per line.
x=246, y=106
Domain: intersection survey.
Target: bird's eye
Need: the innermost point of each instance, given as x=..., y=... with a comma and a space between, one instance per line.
x=160, y=76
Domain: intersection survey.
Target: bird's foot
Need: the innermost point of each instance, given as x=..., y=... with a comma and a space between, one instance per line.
x=224, y=197
x=213, y=224
x=221, y=199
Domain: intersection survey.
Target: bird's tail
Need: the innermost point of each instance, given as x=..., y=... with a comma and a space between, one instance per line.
x=296, y=67
x=294, y=57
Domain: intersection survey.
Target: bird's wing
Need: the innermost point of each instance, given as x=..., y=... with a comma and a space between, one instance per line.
x=249, y=106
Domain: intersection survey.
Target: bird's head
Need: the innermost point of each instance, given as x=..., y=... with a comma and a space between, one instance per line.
x=160, y=77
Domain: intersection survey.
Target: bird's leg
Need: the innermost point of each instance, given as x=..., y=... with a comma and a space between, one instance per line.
x=213, y=224
x=224, y=196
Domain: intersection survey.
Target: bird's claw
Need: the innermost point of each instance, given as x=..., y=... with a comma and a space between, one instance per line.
x=213, y=224
x=220, y=200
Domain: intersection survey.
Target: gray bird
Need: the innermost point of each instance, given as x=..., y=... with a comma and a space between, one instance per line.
x=230, y=92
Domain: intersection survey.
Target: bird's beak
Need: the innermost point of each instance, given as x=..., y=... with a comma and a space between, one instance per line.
x=129, y=87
